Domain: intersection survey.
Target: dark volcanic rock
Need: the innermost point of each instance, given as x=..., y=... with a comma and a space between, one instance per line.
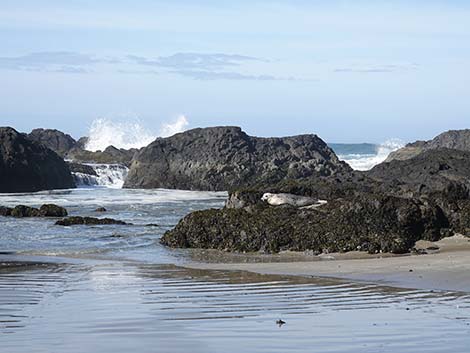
x=436, y=171
x=50, y=210
x=27, y=165
x=223, y=158
x=82, y=141
x=5, y=211
x=370, y=222
x=82, y=168
x=111, y=155
x=453, y=139
x=386, y=209
x=55, y=140
x=100, y=209
x=88, y=221
x=22, y=211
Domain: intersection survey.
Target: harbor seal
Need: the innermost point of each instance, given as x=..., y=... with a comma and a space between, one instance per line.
x=293, y=200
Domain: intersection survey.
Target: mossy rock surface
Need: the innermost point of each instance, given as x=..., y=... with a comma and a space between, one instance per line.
x=371, y=223
x=70, y=221
x=22, y=211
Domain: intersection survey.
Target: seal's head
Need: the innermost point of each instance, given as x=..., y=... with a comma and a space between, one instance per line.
x=267, y=196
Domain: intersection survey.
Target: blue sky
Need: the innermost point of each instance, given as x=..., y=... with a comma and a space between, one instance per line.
x=350, y=71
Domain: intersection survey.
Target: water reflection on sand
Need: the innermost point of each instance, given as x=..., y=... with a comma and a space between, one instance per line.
x=111, y=306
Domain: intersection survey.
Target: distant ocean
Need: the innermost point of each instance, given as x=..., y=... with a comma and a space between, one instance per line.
x=364, y=156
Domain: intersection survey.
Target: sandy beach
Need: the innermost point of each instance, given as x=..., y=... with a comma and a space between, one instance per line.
x=446, y=269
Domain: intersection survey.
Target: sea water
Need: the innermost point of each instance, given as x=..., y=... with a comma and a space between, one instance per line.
x=365, y=156
x=117, y=289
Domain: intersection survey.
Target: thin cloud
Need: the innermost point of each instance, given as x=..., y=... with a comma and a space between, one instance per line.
x=233, y=76
x=204, y=67
x=387, y=68
x=205, y=61
x=72, y=70
x=195, y=61
x=60, y=61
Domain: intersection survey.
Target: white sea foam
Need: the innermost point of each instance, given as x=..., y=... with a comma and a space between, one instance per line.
x=104, y=133
x=108, y=175
x=129, y=134
x=179, y=125
x=110, y=196
x=368, y=161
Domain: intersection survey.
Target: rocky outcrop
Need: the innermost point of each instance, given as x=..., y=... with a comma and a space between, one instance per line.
x=111, y=155
x=441, y=175
x=386, y=209
x=27, y=166
x=370, y=223
x=404, y=153
x=82, y=169
x=51, y=210
x=223, y=158
x=70, y=221
x=435, y=171
x=453, y=139
x=5, y=211
x=67, y=147
x=22, y=211
x=55, y=140
x=82, y=142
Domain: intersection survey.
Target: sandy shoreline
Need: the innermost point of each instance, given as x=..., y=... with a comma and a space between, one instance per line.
x=448, y=269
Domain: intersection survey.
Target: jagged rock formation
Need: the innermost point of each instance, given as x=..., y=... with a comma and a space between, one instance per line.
x=386, y=209
x=67, y=147
x=441, y=175
x=223, y=158
x=82, y=141
x=27, y=166
x=453, y=139
x=433, y=171
x=111, y=155
x=55, y=140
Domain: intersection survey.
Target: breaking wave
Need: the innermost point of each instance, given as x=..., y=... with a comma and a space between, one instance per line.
x=366, y=161
x=179, y=125
x=127, y=135
x=107, y=175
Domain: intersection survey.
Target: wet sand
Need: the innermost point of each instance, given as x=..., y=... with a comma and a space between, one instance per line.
x=122, y=307
x=446, y=269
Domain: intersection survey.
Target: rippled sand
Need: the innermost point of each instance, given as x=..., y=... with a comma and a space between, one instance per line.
x=445, y=269
x=131, y=307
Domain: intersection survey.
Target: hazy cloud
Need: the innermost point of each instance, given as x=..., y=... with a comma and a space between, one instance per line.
x=204, y=61
x=378, y=68
x=60, y=61
x=71, y=70
x=195, y=61
x=206, y=67
x=217, y=66
x=221, y=75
